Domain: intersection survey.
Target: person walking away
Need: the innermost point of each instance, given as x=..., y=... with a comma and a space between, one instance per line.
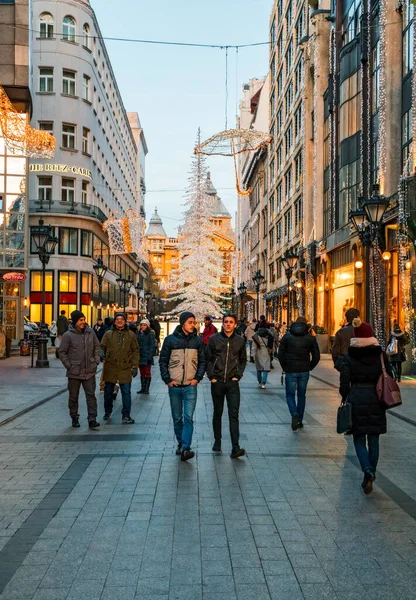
x=241, y=328
x=226, y=360
x=147, y=346
x=62, y=326
x=263, y=347
x=343, y=337
x=396, y=348
x=155, y=325
x=53, y=332
x=298, y=354
x=182, y=366
x=121, y=363
x=249, y=332
x=262, y=324
x=360, y=371
x=99, y=329
x=209, y=330
x=79, y=352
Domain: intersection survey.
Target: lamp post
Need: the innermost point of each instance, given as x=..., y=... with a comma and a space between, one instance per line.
x=367, y=221
x=242, y=290
x=289, y=260
x=45, y=244
x=100, y=270
x=148, y=295
x=139, y=289
x=125, y=286
x=232, y=295
x=258, y=278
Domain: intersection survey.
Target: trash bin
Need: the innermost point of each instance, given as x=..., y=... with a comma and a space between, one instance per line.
x=24, y=348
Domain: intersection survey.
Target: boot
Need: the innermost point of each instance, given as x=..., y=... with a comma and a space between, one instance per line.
x=143, y=384
x=147, y=382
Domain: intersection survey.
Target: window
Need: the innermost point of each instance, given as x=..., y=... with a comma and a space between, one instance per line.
x=86, y=88
x=36, y=286
x=84, y=192
x=68, y=190
x=86, y=35
x=279, y=120
x=280, y=158
x=279, y=227
x=44, y=189
x=289, y=139
x=273, y=34
x=289, y=99
x=68, y=300
x=298, y=216
x=280, y=84
x=279, y=193
x=300, y=26
x=85, y=140
x=298, y=78
x=407, y=41
x=350, y=120
x=298, y=170
x=68, y=136
x=272, y=172
x=86, y=243
x=272, y=104
x=68, y=82
x=349, y=190
x=288, y=184
x=406, y=135
x=69, y=30
x=68, y=241
x=46, y=26
x=46, y=126
x=288, y=224
x=46, y=79
x=351, y=22
x=289, y=58
x=298, y=123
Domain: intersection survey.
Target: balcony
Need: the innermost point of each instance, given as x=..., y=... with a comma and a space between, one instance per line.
x=67, y=208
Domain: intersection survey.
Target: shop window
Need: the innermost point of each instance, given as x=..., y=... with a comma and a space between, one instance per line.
x=68, y=241
x=46, y=26
x=69, y=29
x=343, y=295
x=68, y=291
x=36, y=287
x=86, y=243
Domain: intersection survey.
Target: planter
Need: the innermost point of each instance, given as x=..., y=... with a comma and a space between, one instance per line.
x=322, y=339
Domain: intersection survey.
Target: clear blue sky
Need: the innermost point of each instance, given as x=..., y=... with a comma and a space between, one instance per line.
x=177, y=89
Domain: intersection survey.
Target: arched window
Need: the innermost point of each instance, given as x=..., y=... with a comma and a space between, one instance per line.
x=86, y=35
x=69, y=29
x=46, y=25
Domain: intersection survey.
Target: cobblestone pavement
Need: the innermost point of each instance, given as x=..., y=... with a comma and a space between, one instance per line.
x=115, y=514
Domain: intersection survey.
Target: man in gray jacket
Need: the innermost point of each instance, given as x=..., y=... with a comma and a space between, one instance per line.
x=80, y=354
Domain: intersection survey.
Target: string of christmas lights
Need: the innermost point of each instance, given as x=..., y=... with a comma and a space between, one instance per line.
x=382, y=141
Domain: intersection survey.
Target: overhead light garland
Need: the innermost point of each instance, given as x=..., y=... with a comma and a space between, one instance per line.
x=126, y=234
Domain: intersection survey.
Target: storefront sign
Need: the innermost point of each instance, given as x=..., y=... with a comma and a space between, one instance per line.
x=60, y=169
x=14, y=277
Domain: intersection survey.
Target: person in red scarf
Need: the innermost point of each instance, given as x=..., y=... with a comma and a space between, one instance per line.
x=209, y=330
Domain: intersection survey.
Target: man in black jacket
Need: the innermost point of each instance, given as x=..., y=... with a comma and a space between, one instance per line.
x=182, y=366
x=226, y=360
x=298, y=354
x=343, y=337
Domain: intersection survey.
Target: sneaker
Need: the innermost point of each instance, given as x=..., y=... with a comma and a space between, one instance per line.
x=217, y=446
x=367, y=483
x=295, y=422
x=127, y=420
x=300, y=426
x=107, y=416
x=187, y=454
x=259, y=385
x=237, y=452
x=93, y=424
x=75, y=422
x=178, y=449
x=263, y=386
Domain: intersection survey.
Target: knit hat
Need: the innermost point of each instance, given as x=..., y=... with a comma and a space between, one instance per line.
x=362, y=329
x=185, y=316
x=76, y=315
x=145, y=322
x=120, y=314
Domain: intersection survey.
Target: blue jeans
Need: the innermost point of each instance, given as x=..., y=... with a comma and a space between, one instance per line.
x=125, y=389
x=262, y=376
x=299, y=382
x=368, y=457
x=182, y=404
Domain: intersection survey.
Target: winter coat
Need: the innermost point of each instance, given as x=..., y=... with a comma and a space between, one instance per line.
x=341, y=344
x=100, y=331
x=360, y=371
x=263, y=342
x=53, y=331
x=182, y=357
x=121, y=355
x=147, y=345
x=249, y=332
x=298, y=350
x=209, y=331
x=155, y=325
x=403, y=339
x=79, y=352
x=226, y=357
x=62, y=324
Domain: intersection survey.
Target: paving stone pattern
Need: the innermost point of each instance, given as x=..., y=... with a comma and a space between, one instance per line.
x=115, y=514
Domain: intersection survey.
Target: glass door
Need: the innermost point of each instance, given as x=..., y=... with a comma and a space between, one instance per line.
x=9, y=310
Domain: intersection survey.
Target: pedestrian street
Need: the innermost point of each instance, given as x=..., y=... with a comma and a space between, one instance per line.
x=114, y=514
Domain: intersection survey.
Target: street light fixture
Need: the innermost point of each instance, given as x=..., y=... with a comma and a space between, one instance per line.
x=147, y=295
x=289, y=261
x=45, y=245
x=139, y=289
x=258, y=278
x=232, y=296
x=125, y=286
x=242, y=290
x=100, y=271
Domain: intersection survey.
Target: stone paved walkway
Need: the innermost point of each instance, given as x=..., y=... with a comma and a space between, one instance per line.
x=115, y=514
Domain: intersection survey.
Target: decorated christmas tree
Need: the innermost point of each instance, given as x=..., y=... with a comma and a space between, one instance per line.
x=198, y=281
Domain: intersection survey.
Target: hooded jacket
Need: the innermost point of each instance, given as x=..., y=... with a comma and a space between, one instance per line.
x=121, y=355
x=62, y=324
x=263, y=342
x=360, y=371
x=298, y=350
x=226, y=357
x=80, y=352
x=182, y=357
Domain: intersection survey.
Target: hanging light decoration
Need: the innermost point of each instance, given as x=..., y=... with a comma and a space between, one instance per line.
x=126, y=234
x=20, y=138
x=382, y=133
x=333, y=129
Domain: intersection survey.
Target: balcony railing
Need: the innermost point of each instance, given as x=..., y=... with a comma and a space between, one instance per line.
x=67, y=208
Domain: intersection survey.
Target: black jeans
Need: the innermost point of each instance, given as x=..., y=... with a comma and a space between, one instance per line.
x=231, y=391
x=74, y=386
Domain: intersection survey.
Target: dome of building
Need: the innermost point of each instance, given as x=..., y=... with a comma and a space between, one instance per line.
x=155, y=228
x=218, y=207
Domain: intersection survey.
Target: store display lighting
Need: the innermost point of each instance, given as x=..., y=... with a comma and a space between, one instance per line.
x=386, y=256
x=358, y=264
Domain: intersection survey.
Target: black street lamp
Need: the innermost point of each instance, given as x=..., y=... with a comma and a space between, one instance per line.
x=258, y=278
x=232, y=296
x=125, y=286
x=289, y=260
x=100, y=270
x=45, y=245
x=139, y=289
x=147, y=295
x=242, y=290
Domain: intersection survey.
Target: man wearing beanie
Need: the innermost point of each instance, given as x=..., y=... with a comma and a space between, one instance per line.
x=80, y=354
x=182, y=366
x=343, y=337
x=121, y=363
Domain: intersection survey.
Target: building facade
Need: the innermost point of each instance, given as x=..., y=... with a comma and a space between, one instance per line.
x=98, y=169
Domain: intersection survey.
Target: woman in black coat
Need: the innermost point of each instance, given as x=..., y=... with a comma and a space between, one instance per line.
x=398, y=341
x=147, y=345
x=360, y=371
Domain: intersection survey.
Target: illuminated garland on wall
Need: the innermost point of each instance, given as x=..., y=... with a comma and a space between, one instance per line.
x=382, y=137
x=333, y=129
